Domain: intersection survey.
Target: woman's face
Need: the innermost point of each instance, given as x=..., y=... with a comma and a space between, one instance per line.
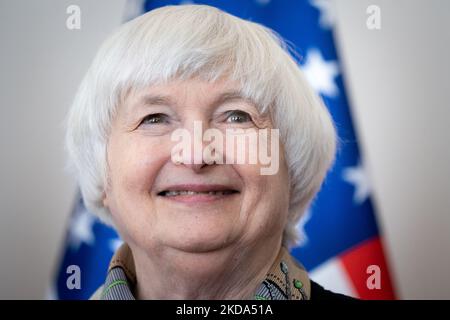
x=158, y=203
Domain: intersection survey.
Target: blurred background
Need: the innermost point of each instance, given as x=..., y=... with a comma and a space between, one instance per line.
x=398, y=84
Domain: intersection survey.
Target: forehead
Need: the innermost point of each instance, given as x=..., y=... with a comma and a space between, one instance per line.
x=185, y=92
x=182, y=86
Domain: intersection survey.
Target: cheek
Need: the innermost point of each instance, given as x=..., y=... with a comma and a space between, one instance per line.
x=133, y=166
x=266, y=200
x=266, y=187
x=135, y=163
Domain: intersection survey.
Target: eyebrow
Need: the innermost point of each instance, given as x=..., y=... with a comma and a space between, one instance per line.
x=152, y=99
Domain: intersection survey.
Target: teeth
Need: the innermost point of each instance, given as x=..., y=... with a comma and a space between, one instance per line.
x=186, y=192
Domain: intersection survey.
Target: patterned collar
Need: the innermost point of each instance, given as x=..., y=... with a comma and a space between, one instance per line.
x=287, y=279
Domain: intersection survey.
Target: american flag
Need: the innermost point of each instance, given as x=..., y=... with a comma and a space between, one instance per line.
x=343, y=243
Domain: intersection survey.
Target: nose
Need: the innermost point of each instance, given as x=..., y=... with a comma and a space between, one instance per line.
x=197, y=168
x=197, y=154
x=200, y=157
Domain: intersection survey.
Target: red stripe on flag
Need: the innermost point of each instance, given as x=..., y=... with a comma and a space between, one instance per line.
x=363, y=264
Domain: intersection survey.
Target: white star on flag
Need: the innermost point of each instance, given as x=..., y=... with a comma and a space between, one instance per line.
x=359, y=179
x=327, y=12
x=81, y=229
x=321, y=73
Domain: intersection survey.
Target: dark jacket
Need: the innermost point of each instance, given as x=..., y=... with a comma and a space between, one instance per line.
x=320, y=293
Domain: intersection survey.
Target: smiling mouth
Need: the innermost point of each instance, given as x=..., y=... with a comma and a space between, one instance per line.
x=174, y=193
x=192, y=193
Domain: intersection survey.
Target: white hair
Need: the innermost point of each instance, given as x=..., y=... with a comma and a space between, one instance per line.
x=201, y=41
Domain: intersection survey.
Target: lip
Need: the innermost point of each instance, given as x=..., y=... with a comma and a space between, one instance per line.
x=198, y=198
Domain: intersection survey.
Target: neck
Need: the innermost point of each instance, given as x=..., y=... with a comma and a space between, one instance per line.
x=227, y=273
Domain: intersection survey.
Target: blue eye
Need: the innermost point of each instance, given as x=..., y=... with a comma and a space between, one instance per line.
x=238, y=116
x=155, y=118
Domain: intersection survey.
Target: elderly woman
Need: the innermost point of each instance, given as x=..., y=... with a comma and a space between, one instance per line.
x=200, y=225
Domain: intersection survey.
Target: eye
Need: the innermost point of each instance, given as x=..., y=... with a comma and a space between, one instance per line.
x=155, y=118
x=238, y=116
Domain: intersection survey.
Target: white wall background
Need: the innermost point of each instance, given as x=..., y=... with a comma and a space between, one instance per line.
x=399, y=82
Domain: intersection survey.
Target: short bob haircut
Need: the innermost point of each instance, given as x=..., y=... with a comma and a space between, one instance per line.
x=189, y=41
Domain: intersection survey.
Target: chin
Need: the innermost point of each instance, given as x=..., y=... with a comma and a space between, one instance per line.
x=201, y=241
